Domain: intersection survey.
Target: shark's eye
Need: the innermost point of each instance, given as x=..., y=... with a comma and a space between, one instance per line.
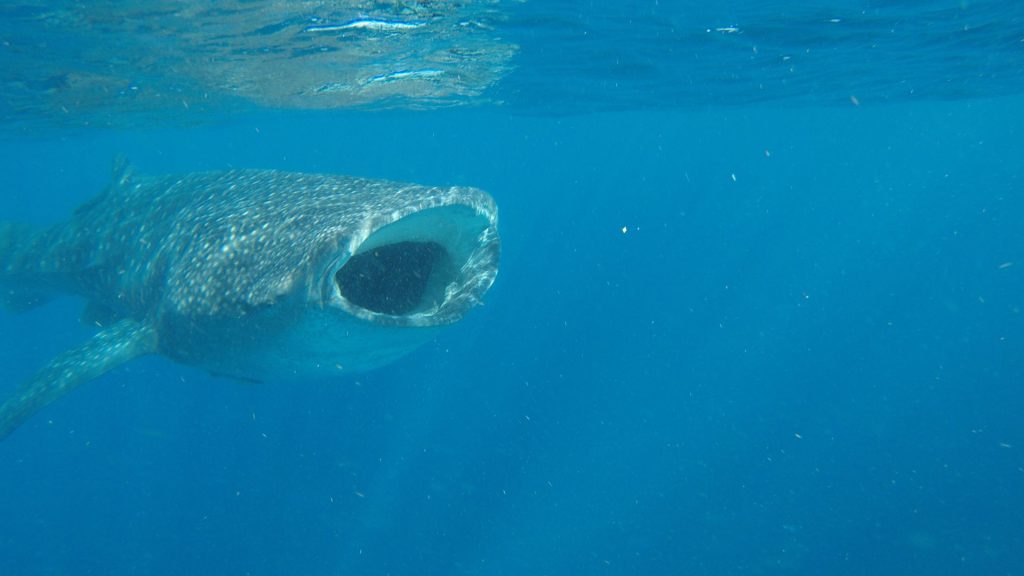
x=396, y=279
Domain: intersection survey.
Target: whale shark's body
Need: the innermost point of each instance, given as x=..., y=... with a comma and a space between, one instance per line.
x=256, y=274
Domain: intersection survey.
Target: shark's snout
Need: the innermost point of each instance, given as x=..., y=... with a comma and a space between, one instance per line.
x=423, y=269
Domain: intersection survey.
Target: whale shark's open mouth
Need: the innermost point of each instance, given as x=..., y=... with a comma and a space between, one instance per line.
x=398, y=278
x=423, y=269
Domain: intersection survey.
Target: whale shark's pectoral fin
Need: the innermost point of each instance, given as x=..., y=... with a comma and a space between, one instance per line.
x=112, y=346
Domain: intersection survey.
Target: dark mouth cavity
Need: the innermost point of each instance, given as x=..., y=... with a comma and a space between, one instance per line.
x=397, y=279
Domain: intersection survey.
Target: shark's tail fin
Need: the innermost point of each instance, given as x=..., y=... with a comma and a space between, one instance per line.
x=111, y=347
x=17, y=291
x=33, y=260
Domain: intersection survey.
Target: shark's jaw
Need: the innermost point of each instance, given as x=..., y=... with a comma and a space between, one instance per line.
x=424, y=268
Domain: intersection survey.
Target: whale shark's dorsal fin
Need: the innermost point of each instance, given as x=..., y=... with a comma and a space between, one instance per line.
x=109, y=348
x=122, y=172
x=120, y=179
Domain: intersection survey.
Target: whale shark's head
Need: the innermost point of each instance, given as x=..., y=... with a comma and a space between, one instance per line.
x=307, y=273
x=400, y=274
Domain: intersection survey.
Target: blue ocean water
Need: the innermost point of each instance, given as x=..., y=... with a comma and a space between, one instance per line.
x=757, y=313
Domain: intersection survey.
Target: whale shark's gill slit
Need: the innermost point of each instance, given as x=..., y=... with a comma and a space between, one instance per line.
x=396, y=279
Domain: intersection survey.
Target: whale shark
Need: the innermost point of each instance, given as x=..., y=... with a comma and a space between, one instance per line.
x=251, y=274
